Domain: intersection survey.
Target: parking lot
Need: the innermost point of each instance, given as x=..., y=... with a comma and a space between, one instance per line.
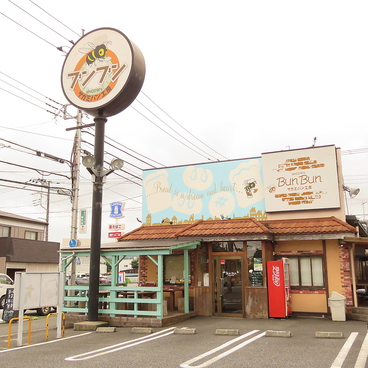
x=202, y=344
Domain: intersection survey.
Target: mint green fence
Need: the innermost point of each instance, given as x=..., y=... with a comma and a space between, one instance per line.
x=117, y=300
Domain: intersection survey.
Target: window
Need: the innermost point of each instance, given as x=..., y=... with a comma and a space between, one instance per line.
x=174, y=269
x=32, y=235
x=306, y=271
x=255, y=265
x=4, y=231
x=229, y=246
x=4, y=279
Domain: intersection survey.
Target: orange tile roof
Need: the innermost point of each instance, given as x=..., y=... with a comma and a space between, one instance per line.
x=239, y=227
x=323, y=225
x=234, y=227
x=154, y=232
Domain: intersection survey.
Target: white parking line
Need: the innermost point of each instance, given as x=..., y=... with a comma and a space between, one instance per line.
x=121, y=346
x=44, y=343
x=188, y=363
x=363, y=354
x=339, y=361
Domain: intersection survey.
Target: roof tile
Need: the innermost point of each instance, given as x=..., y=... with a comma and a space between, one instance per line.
x=239, y=227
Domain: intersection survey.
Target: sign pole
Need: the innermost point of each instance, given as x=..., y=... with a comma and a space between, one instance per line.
x=94, y=270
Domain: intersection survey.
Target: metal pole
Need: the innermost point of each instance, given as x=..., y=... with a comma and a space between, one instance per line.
x=94, y=269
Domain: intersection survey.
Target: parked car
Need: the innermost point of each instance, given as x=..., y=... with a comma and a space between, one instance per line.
x=84, y=280
x=5, y=283
x=105, y=279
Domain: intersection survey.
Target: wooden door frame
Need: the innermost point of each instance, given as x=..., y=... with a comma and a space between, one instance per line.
x=230, y=256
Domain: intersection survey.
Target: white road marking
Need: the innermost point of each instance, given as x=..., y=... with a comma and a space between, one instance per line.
x=363, y=354
x=188, y=363
x=44, y=343
x=121, y=346
x=339, y=361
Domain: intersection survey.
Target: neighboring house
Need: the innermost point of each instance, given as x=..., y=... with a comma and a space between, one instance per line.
x=22, y=246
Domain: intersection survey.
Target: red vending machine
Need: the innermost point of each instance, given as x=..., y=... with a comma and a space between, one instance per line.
x=278, y=283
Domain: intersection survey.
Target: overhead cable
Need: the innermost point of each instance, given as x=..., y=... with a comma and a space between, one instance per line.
x=169, y=133
x=35, y=34
x=54, y=18
x=8, y=76
x=181, y=126
x=180, y=135
x=41, y=22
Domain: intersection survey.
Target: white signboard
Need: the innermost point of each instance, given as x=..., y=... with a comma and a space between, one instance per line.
x=35, y=290
x=302, y=179
x=38, y=289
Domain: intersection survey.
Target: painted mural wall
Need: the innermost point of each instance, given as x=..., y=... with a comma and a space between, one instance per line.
x=184, y=194
x=290, y=180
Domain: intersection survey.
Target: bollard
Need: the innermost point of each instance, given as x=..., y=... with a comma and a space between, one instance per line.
x=10, y=326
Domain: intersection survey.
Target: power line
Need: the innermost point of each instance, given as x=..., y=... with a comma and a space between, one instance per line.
x=156, y=125
x=181, y=136
x=28, y=94
x=147, y=158
x=51, y=112
x=137, y=158
x=41, y=172
x=8, y=76
x=181, y=126
x=54, y=18
x=41, y=22
x=35, y=34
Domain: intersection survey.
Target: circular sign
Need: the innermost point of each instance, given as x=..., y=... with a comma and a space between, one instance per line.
x=72, y=243
x=103, y=72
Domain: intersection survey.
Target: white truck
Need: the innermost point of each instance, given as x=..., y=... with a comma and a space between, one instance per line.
x=6, y=282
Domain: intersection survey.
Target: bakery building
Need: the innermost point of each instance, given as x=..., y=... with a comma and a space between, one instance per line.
x=209, y=230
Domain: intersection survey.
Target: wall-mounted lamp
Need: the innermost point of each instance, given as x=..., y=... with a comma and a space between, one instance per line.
x=341, y=243
x=353, y=192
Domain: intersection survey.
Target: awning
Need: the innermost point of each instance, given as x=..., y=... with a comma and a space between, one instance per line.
x=136, y=248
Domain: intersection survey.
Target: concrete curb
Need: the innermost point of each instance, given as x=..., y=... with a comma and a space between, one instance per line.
x=227, y=331
x=89, y=325
x=185, y=331
x=106, y=329
x=271, y=333
x=329, y=335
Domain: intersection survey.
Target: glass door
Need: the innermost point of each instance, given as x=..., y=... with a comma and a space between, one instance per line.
x=228, y=286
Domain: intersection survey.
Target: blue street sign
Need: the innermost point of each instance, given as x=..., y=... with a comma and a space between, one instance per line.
x=72, y=243
x=117, y=209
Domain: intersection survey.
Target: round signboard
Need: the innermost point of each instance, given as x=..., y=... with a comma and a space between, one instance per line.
x=103, y=72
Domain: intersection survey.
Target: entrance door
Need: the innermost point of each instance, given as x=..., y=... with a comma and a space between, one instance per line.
x=228, y=286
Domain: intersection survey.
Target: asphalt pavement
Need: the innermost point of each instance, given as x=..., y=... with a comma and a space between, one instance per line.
x=198, y=342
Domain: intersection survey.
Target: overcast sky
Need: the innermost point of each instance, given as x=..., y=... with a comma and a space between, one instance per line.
x=243, y=77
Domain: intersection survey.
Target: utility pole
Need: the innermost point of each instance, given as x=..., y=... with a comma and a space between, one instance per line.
x=75, y=188
x=45, y=184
